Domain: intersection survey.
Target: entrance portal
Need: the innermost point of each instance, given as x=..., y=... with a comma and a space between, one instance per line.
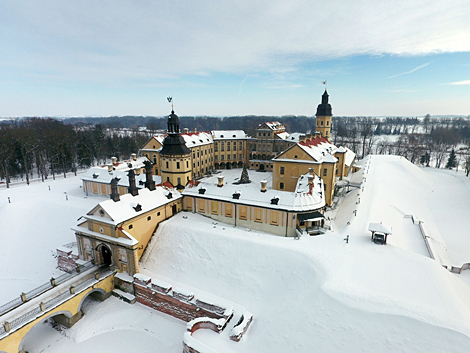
x=173, y=209
x=261, y=167
x=106, y=255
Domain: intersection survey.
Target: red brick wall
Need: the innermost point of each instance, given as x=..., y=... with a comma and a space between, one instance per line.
x=169, y=305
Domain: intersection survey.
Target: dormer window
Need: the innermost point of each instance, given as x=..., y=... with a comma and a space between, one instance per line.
x=95, y=176
x=202, y=191
x=138, y=208
x=274, y=201
x=236, y=196
x=169, y=196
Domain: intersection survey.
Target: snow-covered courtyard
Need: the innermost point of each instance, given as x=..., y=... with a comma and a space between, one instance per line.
x=313, y=294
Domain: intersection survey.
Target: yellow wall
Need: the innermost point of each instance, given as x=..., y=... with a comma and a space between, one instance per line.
x=202, y=160
x=324, y=126
x=170, y=171
x=234, y=154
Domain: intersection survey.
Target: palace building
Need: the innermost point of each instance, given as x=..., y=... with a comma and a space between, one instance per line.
x=304, y=169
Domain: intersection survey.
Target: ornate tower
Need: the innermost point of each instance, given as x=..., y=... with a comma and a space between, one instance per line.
x=324, y=115
x=175, y=157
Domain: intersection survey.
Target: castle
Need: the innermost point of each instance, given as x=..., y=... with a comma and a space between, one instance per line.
x=304, y=172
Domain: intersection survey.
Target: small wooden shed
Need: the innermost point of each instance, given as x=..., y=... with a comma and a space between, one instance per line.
x=378, y=231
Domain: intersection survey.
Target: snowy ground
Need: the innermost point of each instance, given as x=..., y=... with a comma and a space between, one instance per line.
x=314, y=294
x=35, y=222
x=109, y=327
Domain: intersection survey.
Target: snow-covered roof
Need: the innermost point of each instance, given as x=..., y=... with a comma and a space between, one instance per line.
x=350, y=156
x=282, y=135
x=193, y=139
x=379, y=227
x=319, y=149
x=228, y=134
x=126, y=208
x=305, y=198
x=101, y=175
x=127, y=164
x=295, y=136
x=273, y=125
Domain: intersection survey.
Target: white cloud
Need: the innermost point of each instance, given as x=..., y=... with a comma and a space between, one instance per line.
x=467, y=82
x=411, y=71
x=127, y=41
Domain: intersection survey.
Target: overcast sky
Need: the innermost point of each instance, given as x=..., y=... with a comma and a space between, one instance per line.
x=75, y=58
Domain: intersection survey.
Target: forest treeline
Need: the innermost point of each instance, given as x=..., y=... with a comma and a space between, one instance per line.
x=46, y=146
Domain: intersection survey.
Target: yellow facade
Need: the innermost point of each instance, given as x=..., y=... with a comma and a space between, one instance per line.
x=295, y=162
x=202, y=160
x=230, y=153
x=324, y=126
x=150, y=150
x=119, y=238
x=176, y=170
x=254, y=217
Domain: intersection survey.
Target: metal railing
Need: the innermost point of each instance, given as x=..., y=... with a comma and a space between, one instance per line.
x=82, y=284
x=13, y=304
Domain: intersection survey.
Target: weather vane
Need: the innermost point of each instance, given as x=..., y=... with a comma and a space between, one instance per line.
x=324, y=83
x=170, y=100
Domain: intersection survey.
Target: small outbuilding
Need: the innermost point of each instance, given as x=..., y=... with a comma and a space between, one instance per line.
x=380, y=232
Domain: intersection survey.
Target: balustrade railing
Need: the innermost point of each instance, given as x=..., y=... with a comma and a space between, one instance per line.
x=42, y=288
x=82, y=284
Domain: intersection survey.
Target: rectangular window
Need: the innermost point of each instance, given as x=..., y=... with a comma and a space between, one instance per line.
x=222, y=157
x=201, y=205
x=274, y=218
x=240, y=146
x=216, y=158
x=216, y=147
x=221, y=146
x=234, y=156
x=228, y=146
x=214, y=207
x=327, y=123
x=321, y=123
x=243, y=212
x=177, y=165
x=325, y=172
x=282, y=171
x=336, y=171
x=166, y=165
x=281, y=186
x=258, y=215
x=179, y=181
x=241, y=156
x=228, y=209
x=187, y=164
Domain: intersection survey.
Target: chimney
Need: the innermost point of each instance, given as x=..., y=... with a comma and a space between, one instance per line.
x=186, y=130
x=149, y=183
x=134, y=156
x=110, y=168
x=263, y=185
x=194, y=130
x=220, y=181
x=310, y=179
x=132, y=188
x=114, y=190
x=113, y=160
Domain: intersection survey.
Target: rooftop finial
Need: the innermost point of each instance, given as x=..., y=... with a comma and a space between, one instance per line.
x=170, y=100
x=325, y=83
